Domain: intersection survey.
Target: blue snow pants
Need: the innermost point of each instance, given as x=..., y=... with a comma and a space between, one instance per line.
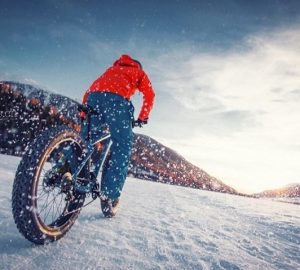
x=117, y=113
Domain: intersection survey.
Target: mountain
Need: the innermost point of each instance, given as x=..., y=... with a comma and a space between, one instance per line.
x=26, y=110
x=154, y=161
x=289, y=191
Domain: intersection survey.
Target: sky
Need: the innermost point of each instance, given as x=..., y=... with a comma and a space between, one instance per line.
x=226, y=73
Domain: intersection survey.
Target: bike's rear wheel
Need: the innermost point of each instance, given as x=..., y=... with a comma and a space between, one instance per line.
x=42, y=210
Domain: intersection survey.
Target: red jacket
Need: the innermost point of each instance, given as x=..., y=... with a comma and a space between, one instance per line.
x=124, y=78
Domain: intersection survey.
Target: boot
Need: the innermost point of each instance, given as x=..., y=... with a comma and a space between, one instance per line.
x=110, y=207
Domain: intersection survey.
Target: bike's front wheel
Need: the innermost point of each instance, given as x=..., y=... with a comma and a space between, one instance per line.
x=42, y=208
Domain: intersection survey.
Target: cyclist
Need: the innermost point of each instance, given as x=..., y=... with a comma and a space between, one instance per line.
x=110, y=96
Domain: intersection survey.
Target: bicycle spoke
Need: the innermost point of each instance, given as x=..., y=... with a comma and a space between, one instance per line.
x=45, y=204
x=60, y=206
x=51, y=206
x=45, y=218
x=58, y=209
x=41, y=195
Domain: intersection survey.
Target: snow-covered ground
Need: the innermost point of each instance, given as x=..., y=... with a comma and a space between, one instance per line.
x=161, y=227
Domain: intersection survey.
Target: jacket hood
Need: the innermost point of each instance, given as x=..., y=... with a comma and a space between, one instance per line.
x=126, y=60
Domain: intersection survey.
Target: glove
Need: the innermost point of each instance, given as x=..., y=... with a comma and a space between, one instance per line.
x=139, y=123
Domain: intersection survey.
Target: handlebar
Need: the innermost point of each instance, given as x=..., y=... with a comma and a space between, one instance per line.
x=137, y=123
x=90, y=111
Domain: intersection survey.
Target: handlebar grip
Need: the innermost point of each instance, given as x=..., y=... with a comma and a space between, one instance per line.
x=137, y=123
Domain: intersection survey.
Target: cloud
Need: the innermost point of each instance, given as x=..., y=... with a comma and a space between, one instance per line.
x=247, y=78
x=237, y=110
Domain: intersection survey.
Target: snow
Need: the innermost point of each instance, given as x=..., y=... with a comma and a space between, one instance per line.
x=160, y=226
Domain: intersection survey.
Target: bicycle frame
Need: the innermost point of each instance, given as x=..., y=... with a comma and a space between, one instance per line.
x=86, y=159
x=89, y=152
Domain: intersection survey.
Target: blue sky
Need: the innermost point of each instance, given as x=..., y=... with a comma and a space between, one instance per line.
x=226, y=73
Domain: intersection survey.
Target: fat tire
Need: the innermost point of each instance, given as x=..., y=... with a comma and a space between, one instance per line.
x=22, y=201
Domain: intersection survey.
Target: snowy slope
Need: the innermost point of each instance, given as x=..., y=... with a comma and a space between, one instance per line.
x=161, y=227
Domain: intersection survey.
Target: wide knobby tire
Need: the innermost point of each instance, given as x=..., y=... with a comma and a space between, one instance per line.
x=26, y=212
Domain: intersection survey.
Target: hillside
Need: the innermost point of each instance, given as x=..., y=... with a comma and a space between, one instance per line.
x=27, y=110
x=290, y=191
x=154, y=161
